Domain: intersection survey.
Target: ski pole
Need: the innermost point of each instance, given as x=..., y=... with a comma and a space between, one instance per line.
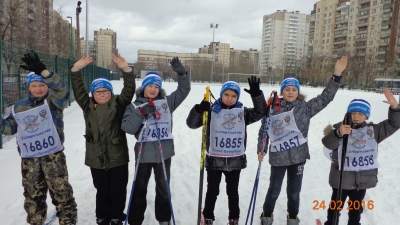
x=252, y=205
x=203, y=155
x=134, y=176
x=163, y=165
x=347, y=121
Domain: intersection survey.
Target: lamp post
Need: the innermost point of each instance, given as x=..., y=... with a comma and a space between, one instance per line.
x=78, y=35
x=212, y=61
x=71, y=43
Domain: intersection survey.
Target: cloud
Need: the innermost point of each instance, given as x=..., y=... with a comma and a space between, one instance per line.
x=179, y=25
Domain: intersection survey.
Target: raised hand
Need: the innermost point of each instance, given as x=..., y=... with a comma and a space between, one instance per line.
x=82, y=62
x=33, y=63
x=177, y=66
x=254, y=84
x=120, y=61
x=391, y=100
x=340, y=66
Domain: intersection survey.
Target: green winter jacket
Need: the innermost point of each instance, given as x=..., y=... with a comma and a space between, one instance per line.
x=106, y=144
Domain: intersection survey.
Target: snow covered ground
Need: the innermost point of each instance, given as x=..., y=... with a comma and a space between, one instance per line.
x=185, y=168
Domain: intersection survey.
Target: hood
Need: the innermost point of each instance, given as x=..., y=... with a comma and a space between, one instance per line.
x=139, y=94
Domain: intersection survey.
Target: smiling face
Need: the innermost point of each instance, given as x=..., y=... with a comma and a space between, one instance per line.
x=229, y=97
x=38, y=89
x=290, y=93
x=151, y=91
x=358, y=117
x=102, y=95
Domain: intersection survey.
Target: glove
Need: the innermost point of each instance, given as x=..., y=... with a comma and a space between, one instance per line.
x=177, y=66
x=254, y=84
x=204, y=106
x=147, y=110
x=33, y=63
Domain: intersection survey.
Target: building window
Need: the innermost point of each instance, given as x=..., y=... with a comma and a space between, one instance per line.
x=374, y=3
x=372, y=27
x=371, y=42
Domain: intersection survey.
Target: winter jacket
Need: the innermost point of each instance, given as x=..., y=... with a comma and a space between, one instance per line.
x=251, y=115
x=303, y=112
x=363, y=179
x=57, y=99
x=106, y=144
x=132, y=121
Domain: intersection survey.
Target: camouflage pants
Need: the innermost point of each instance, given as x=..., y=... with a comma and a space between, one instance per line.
x=42, y=174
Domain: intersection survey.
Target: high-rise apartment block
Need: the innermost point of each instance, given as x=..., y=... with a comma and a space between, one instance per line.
x=221, y=55
x=284, y=40
x=105, y=44
x=366, y=29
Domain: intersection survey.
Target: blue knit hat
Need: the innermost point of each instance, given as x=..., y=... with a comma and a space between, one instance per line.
x=33, y=77
x=101, y=82
x=360, y=105
x=290, y=81
x=152, y=78
x=232, y=85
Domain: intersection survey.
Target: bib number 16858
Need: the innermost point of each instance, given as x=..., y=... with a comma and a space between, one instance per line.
x=37, y=145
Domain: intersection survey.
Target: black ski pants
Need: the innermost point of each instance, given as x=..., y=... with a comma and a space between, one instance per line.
x=354, y=196
x=139, y=202
x=111, y=191
x=232, y=185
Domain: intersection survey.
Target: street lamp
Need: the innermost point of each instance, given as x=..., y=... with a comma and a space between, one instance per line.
x=71, y=54
x=78, y=35
x=212, y=61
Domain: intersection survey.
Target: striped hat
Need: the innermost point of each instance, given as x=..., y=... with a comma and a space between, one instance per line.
x=101, y=82
x=360, y=105
x=232, y=85
x=152, y=78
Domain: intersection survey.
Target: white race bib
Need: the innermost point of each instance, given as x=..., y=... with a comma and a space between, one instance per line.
x=283, y=132
x=37, y=136
x=362, y=151
x=227, y=133
x=159, y=126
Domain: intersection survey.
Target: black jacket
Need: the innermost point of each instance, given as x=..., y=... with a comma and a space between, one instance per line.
x=251, y=115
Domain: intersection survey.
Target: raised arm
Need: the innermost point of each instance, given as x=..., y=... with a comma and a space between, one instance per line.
x=389, y=126
x=78, y=85
x=125, y=98
x=177, y=96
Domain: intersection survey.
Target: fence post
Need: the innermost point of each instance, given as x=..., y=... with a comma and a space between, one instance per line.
x=1, y=88
x=55, y=64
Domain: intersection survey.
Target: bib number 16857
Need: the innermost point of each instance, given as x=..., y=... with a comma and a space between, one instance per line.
x=286, y=145
x=37, y=145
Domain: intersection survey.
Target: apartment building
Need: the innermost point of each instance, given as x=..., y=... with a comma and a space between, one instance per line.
x=103, y=45
x=284, y=41
x=222, y=53
x=160, y=60
x=245, y=58
x=366, y=29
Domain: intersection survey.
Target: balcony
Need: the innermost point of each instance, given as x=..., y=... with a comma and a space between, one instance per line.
x=341, y=28
x=360, y=46
x=388, y=10
x=385, y=35
x=339, y=42
x=363, y=1
x=380, y=68
x=362, y=16
x=380, y=51
x=344, y=34
x=381, y=60
x=30, y=17
x=385, y=27
x=312, y=18
x=361, y=31
x=362, y=24
x=338, y=47
x=383, y=44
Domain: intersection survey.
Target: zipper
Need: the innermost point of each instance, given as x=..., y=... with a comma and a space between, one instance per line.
x=290, y=157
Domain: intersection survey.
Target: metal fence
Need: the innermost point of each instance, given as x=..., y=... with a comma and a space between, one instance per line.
x=13, y=78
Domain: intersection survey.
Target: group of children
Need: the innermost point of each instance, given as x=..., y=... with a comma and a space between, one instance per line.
x=109, y=116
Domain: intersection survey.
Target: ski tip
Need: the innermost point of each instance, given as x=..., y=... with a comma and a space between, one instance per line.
x=318, y=222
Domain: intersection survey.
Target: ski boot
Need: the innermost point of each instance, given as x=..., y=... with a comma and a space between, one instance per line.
x=293, y=221
x=116, y=222
x=233, y=222
x=266, y=220
x=103, y=221
x=208, y=221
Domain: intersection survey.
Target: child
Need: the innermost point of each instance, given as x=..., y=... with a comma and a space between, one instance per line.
x=227, y=145
x=38, y=122
x=106, y=145
x=288, y=130
x=362, y=175
x=143, y=118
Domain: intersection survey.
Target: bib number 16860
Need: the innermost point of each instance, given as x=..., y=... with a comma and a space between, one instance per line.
x=37, y=145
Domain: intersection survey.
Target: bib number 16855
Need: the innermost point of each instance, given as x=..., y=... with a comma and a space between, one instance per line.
x=228, y=142
x=37, y=145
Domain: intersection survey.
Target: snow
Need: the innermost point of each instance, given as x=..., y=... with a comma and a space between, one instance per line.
x=185, y=167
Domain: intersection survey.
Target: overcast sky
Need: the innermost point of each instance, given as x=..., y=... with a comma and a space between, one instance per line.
x=179, y=25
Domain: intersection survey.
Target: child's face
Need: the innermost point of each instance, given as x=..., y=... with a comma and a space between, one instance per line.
x=151, y=91
x=38, y=89
x=358, y=117
x=290, y=93
x=102, y=95
x=229, y=97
